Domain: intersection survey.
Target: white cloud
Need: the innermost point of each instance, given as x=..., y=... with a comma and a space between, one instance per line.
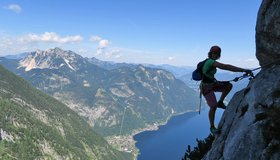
x=114, y=53
x=29, y=42
x=170, y=58
x=99, y=52
x=95, y=38
x=14, y=7
x=50, y=37
x=104, y=49
x=103, y=44
x=118, y=56
x=10, y=45
x=83, y=51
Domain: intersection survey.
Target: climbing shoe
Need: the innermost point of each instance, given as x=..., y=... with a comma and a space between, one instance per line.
x=214, y=130
x=221, y=105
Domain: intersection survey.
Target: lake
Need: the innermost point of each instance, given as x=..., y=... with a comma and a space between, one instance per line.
x=170, y=141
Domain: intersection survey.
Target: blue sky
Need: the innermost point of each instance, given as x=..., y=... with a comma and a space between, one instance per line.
x=176, y=32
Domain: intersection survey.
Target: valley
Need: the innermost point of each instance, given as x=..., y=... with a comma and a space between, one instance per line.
x=117, y=101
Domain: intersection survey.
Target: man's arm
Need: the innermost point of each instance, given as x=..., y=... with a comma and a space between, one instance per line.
x=229, y=67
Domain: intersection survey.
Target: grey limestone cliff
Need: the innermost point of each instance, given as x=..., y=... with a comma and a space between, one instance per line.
x=250, y=124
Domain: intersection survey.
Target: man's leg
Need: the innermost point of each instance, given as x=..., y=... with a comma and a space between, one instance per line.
x=211, y=116
x=225, y=87
x=212, y=103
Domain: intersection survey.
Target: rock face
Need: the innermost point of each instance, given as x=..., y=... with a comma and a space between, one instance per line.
x=247, y=124
x=250, y=124
x=268, y=33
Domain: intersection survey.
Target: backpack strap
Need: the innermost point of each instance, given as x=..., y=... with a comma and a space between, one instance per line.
x=200, y=97
x=203, y=75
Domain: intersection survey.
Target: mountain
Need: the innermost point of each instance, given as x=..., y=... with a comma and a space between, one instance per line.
x=17, y=56
x=114, y=101
x=37, y=126
x=110, y=65
x=176, y=70
x=250, y=124
x=52, y=59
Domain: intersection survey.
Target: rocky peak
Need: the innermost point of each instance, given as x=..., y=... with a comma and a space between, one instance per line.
x=268, y=33
x=250, y=124
x=51, y=58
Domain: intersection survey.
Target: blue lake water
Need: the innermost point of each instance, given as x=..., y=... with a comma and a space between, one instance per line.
x=170, y=141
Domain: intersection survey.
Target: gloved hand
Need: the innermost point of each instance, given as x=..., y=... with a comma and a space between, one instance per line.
x=248, y=72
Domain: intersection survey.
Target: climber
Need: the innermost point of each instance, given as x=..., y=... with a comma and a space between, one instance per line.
x=209, y=85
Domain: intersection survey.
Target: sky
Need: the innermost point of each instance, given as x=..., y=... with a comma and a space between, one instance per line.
x=175, y=32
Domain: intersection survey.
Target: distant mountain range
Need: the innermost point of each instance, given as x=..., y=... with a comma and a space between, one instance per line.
x=114, y=98
x=37, y=126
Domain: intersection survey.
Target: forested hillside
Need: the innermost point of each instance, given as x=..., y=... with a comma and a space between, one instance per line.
x=36, y=126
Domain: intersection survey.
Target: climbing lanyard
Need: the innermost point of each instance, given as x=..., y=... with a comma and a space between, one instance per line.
x=250, y=75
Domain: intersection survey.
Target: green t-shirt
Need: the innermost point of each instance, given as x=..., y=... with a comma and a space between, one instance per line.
x=209, y=71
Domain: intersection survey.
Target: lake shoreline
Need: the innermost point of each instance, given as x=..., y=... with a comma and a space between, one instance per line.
x=155, y=127
x=172, y=139
x=127, y=143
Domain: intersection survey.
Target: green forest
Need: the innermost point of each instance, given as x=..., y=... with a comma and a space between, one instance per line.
x=36, y=126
